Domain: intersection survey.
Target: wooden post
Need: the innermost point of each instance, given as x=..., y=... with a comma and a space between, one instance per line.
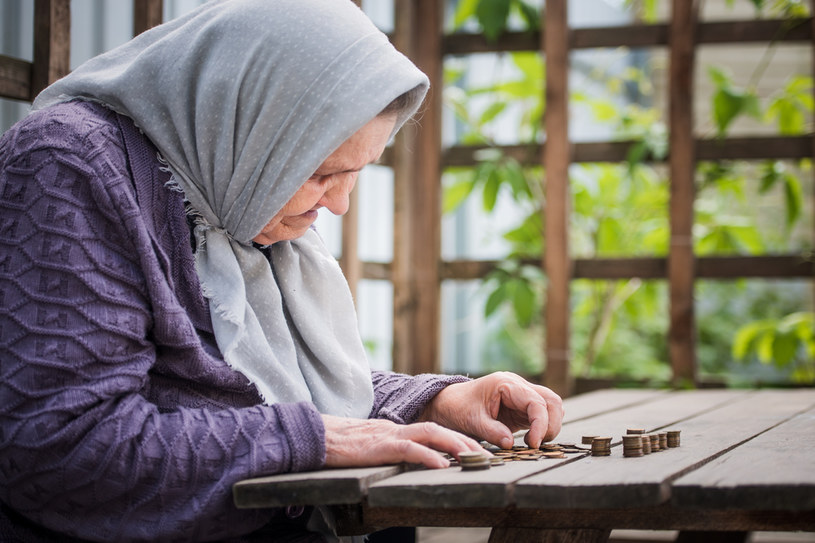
x=812, y=27
x=556, y=159
x=681, y=264
x=349, y=258
x=417, y=199
x=147, y=14
x=52, y=43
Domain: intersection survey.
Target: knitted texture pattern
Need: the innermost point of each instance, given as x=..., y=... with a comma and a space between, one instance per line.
x=118, y=418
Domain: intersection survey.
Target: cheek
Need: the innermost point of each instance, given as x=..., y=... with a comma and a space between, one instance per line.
x=304, y=199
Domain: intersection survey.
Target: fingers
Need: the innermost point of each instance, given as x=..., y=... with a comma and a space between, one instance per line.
x=527, y=405
x=355, y=442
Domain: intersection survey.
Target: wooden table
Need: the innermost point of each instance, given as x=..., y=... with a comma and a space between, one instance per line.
x=746, y=463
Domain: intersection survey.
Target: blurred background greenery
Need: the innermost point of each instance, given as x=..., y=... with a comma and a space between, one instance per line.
x=749, y=332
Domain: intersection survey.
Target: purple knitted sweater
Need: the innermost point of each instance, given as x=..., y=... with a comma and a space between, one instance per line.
x=119, y=419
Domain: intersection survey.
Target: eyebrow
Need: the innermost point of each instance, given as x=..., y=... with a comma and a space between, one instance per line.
x=376, y=161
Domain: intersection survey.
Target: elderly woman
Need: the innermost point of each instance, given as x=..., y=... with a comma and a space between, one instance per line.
x=170, y=322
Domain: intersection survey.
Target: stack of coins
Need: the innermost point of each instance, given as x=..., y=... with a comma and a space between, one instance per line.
x=473, y=460
x=586, y=440
x=654, y=442
x=635, y=431
x=673, y=438
x=646, y=444
x=632, y=445
x=601, y=446
x=663, y=440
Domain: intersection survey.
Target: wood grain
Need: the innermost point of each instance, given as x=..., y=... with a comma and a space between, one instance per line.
x=615, y=481
x=324, y=487
x=774, y=470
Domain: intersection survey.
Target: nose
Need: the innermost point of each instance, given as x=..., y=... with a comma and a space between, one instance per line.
x=336, y=196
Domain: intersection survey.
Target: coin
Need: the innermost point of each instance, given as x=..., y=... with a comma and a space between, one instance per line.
x=601, y=446
x=474, y=460
x=554, y=454
x=673, y=438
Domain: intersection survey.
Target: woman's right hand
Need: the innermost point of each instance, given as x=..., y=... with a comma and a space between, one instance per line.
x=375, y=442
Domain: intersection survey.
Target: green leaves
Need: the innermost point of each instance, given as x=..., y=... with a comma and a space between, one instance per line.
x=493, y=15
x=730, y=101
x=518, y=286
x=791, y=106
x=782, y=342
x=621, y=210
x=773, y=173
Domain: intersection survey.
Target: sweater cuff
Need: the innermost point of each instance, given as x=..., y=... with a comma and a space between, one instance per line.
x=305, y=433
x=416, y=394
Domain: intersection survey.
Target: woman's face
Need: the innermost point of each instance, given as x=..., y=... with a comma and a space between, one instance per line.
x=331, y=184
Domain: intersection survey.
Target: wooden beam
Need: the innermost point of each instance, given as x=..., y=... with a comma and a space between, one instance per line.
x=52, y=43
x=15, y=78
x=417, y=197
x=681, y=265
x=638, y=35
x=744, y=148
x=651, y=268
x=147, y=14
x=556, y=160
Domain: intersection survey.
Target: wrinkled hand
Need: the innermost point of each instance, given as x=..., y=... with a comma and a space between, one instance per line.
x=374, y=442
x=496, y=405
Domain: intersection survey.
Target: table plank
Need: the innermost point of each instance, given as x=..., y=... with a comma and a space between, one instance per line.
x=775, y=470
x=324, y=487
x=493, y=488
x=452, y=487
x=597, y=402
x=615, y=481
x=658, y=412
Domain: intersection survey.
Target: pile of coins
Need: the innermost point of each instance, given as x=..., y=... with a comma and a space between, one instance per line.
x=673, y=438
x=601, y=446
x=632, y=445
x=635, y=443
x=473, y=460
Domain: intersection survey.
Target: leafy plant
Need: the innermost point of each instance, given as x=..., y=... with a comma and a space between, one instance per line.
x=785, y=342
x=729, y=101
x=617, y=209
x=493, y=15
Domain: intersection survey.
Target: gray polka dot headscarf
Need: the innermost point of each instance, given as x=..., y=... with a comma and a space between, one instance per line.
x=245, y=99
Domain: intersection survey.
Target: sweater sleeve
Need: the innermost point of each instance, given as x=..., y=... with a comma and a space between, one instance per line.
x=82, y=449
x=401, y=398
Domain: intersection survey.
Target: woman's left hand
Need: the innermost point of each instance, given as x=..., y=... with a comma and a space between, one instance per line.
x=496, y=405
